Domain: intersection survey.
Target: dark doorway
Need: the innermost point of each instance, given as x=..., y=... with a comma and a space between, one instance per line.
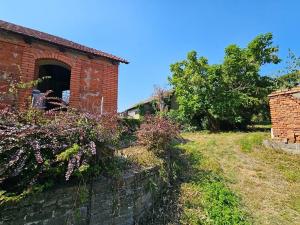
x=58, y=82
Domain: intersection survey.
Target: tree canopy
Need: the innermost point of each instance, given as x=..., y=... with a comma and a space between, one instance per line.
x=290, y=76
x=225, y=95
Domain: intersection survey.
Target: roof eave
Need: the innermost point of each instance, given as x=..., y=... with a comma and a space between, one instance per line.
x=64, y=46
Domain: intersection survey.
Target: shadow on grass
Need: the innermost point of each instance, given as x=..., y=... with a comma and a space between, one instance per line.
x=196, y=194
x=259, y=128
x=168, y=206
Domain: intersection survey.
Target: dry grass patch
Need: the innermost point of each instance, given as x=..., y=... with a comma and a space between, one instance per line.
x=267, y=181
x=140, y=156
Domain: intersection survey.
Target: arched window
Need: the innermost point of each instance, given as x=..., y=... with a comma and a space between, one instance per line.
x=58, y=81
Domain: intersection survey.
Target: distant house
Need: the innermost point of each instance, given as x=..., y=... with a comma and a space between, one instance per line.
x=83, y=77
x=150, y=106
x=140, y=109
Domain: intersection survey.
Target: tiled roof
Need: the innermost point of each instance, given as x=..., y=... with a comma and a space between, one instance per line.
x=149, y=100
x=285, y=91
x=55, y=40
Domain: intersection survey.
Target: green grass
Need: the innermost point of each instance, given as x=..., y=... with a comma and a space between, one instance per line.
x=227, y=178
x=249, y=142
x=230, y=178
x=221, y=205
x=205, y=197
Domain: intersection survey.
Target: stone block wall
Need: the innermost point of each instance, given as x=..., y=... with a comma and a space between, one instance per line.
x=104, y=201
x=285, y=115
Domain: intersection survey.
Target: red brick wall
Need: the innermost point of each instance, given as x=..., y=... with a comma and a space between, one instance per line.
x=285, y=115
x=91, y=79
x=10, y=66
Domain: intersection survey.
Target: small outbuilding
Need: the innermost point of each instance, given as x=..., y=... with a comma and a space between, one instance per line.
x=84, y=77
x=285, y=115
x=150, y=105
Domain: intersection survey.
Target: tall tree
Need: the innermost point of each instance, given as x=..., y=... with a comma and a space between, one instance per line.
x=290, y=76
x=224, y=95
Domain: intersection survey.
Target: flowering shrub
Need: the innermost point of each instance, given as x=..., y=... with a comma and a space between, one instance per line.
x=35, y=145
x=157, y=133
x=38, y=148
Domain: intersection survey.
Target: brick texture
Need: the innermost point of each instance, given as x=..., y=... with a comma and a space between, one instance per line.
x=285, y=115
x=94, y=81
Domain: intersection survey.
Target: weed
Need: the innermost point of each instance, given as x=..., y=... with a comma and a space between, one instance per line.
x=221, y=205
x=205, y=197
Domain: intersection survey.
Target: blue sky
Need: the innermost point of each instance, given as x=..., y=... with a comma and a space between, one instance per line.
x=152, y=34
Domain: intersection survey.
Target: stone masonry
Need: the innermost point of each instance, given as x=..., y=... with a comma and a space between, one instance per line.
x=104, y=201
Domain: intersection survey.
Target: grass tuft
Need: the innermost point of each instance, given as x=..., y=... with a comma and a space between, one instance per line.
x=250, y=141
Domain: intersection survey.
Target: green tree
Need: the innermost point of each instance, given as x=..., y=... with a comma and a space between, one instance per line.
x=226, y=95
x=290, y=76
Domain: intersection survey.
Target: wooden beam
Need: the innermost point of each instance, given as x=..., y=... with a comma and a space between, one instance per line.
x=27, y=40
x=90, y=56
x=62, y=49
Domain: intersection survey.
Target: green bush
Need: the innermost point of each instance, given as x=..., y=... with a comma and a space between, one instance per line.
x=130, y=124
x=185, y=123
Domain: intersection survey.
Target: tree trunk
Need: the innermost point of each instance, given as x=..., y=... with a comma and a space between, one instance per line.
x=214, y=124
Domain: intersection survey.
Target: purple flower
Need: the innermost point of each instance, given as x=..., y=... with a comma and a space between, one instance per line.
x=37, y=151
x=93, y=147
x=70, y=170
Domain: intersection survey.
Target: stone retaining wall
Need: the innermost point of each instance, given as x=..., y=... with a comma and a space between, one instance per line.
x=104, y=201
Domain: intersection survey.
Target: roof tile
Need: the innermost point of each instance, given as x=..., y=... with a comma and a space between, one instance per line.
x=55, y=40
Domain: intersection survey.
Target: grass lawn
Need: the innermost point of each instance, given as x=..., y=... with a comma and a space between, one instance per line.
x=230, y=178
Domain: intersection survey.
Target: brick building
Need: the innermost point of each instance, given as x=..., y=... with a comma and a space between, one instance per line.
x=285, y=115
x=88, y=76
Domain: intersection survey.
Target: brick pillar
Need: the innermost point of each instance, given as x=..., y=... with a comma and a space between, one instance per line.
x=110, y=89
x=27, y=74
x=75, y=84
